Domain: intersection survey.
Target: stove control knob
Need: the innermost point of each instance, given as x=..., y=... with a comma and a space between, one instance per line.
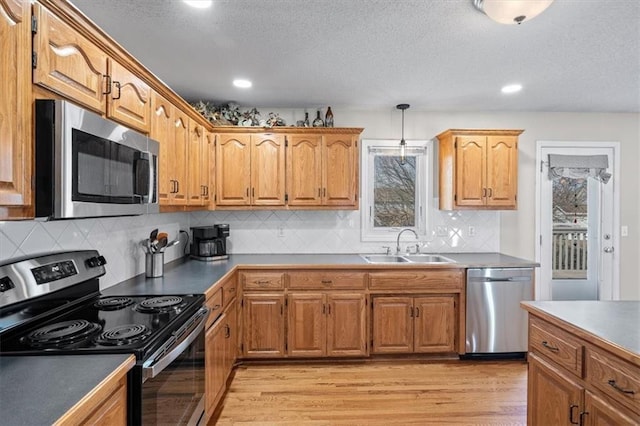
x=96, y=261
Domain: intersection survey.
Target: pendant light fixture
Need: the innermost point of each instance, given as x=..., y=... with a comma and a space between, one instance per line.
x=403, y=144
x=512, y=11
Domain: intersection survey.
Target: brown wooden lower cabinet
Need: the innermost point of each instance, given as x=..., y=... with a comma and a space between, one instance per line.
x=414, y=324
x=263, y=325
x=599, y=412
x=321, y=324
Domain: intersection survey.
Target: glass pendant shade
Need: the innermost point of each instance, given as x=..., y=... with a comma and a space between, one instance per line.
x=512, y=11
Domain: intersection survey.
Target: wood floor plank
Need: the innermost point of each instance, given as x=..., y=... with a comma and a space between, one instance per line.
x=399, y=393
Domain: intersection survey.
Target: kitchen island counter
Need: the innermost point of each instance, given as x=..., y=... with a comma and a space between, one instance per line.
x=192, y=276
x=41, y=390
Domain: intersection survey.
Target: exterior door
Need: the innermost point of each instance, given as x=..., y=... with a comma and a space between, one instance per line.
x=578, y=228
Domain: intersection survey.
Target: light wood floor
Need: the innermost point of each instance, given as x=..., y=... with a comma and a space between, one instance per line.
x=399, y=393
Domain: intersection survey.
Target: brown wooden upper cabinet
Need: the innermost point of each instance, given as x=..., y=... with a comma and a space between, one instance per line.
x=71, y=65
x=322, y=170
x=15, y=109
x=250, y=169
x=478, y=169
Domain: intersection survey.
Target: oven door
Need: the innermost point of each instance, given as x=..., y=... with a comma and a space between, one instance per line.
x=172, y=388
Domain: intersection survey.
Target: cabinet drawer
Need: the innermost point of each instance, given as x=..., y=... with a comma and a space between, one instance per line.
x=262, y=280
x=555, y=345
x=326, y=280
x=437, y=279
x=214, y=303
x=613, y=376
x=229, y=290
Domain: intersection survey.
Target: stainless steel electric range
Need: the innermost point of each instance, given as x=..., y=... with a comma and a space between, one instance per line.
x=51, y=304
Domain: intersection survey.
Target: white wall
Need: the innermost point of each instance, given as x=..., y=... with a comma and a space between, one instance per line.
x=338, y=231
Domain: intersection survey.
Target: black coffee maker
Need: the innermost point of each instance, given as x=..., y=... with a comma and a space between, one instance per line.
x=209, y=242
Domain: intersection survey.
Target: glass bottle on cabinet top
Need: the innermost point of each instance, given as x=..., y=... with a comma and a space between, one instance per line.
x=306, y=120
x=318, y=121
x=328, y=118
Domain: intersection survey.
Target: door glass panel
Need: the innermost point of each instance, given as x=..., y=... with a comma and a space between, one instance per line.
x=570, y=214
x=394, y=196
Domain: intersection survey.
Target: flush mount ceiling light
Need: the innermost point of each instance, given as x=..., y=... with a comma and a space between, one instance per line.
x=403, y=144
x=511, y=88
x=199, y=4
x=511, y=11
x=242, y=83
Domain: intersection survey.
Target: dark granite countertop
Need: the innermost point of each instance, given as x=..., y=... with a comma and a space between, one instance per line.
x=613, y=322
x=38, y=390
x=187, y=276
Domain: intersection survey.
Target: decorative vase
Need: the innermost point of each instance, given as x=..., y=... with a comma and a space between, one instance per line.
x=328, y=118
x=306, y=120
x=318, y=121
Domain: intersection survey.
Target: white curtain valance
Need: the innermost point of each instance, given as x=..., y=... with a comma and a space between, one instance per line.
x=579, y=166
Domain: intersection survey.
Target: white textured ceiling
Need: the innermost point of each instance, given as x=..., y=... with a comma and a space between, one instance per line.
x=437, y=55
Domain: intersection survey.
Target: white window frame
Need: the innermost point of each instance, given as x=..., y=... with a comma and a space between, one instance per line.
x=424, y=186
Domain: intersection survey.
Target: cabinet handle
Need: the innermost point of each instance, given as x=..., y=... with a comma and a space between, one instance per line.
x=548, y=346
x=247, y=192
x=117, y=84
x=417, y=312
x=260, y=282
x=253, y=192
x=326, y=281
x=614, y=385
x=484, y=192
x=324, y=309
x=215, y=307
x=411, y=311
x=173, y=186
x=571, y=407
x=206, y=190
x=324, y=192
x=227, y=331
x=319, y=192
x=490, y=192
x=584, y=413
x=107, y=85
x=232, y=290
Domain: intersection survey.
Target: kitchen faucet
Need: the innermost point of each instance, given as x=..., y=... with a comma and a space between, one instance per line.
x=398, y=239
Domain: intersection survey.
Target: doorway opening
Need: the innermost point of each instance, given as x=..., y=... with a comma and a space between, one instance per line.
x=577, y=220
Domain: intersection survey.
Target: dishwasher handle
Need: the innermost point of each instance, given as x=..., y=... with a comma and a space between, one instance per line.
x=500, y=280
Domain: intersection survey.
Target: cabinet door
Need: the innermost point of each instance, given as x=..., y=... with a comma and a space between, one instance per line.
x=346, y=325
x=207, y=170
x=231, y=339
x=502, y=171
x=307, y=325
x=267, y=170
x=601, y=413
x=195, y=192
x=180, y=158
x=113, y=410
x=233, y=170
x=15, y=103
x=434, y=324
x=470, y=170
x=263, y=325
x=552, y=397
x=215, y=358
x=162, y=130
x=304, y=170
x=392, y=325
x=340, y=163
x=129, y=100
x=68, y=63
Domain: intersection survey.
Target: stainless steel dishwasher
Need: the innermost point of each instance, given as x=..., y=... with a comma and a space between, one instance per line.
x=496, y=325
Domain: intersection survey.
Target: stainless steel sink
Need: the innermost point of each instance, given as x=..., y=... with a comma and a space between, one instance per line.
x=428, y=258
x=408, y=258
x=383, y=258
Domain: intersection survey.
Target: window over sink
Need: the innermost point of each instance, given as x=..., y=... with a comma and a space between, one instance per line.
x=395, y=190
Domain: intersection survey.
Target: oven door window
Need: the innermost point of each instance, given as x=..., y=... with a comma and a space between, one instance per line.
x=176, y=395
x=107, y=172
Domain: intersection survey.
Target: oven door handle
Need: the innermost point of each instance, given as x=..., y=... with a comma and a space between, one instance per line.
x=171, y=350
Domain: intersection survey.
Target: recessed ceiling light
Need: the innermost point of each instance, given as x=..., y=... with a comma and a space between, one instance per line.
x=199, y=4
x=243, y=84
x=512, y=88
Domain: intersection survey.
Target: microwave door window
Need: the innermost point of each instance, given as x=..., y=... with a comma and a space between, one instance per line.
x=90, y=168
x=123, y=178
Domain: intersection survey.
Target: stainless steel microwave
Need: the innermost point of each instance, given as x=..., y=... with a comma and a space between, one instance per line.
x=87, y=166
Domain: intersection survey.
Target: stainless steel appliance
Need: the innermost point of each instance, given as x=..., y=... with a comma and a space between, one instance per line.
x=209, y=242
x=51, y=305
x=496, y=325
x=87, y=166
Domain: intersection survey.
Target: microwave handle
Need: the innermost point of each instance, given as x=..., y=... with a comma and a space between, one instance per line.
x=143, y=176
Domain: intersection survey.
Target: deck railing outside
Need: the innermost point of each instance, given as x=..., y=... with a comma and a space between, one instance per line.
x=569, y=253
